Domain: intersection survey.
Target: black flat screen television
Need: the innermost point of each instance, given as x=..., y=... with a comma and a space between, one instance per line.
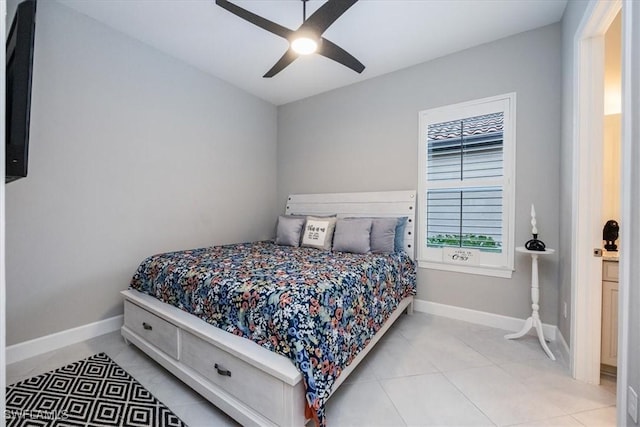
x=20, y=45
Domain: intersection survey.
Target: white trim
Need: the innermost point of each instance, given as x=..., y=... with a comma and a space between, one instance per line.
x=587, y=209
x=565, y=353
x=488, y=264
x=3, y=299
x=479, y=317
x=505, y=273
x=630, y=187
x=41, y=345
x=588, y=117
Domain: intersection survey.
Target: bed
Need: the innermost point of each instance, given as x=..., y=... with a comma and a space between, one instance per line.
x=268, y=332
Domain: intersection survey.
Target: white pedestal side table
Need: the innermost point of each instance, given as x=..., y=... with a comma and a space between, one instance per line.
x=534, y=320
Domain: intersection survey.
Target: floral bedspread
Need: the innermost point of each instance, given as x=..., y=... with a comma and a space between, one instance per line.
x=317, y=308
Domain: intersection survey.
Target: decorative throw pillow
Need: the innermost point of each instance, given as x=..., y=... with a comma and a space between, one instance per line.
x=289, y=230
x=353, y=235
x=399, y=239
x=383, y=234
x=318, y=232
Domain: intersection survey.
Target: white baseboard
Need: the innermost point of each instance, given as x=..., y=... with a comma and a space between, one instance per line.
x=34, y=347
x=41, y=345
x=563, y=347
x=480, y=317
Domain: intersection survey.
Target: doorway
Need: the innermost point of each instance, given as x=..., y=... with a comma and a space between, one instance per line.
x=586, y=270
x=611, y=189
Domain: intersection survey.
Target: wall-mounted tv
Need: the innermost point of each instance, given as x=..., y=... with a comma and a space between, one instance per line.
x=20, y=45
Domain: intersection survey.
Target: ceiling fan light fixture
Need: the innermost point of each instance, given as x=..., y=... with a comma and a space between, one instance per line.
x=307, y=39
x=304, y=45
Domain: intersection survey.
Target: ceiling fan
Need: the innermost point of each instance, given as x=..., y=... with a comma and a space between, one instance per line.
x=307, y=38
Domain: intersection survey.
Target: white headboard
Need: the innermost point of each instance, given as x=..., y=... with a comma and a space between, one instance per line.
x=378, y=204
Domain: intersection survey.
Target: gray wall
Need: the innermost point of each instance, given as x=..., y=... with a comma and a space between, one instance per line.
x=570, y=20
x=365, y=138
x=131, y=153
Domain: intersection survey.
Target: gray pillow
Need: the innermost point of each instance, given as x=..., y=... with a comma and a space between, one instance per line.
x=353, y=235
x=383, y=234
x=318, y=232
x=289, y=229
x=400, y=229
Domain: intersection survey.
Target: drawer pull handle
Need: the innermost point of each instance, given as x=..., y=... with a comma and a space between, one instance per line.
x=222, y=371
x=147, y=326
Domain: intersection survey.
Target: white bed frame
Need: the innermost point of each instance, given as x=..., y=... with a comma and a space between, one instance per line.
x=248, y=382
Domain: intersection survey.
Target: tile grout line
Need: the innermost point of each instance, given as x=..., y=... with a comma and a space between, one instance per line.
x=591, y=410
x=469, y=398
x=392, y=403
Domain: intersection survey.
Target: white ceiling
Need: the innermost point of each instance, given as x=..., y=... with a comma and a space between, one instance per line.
x=385, y=35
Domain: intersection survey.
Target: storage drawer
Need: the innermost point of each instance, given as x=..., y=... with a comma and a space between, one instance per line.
x=250, y=385
x=610, y=271
x=155, y=330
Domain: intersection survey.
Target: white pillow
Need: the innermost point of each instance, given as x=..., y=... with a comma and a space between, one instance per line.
x=318, y=233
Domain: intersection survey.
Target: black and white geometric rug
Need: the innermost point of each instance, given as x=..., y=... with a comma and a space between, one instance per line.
x=91, y=392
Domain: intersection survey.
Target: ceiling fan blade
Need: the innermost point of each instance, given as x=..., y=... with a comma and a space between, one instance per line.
x=331, y=50
x=326, y=15
x=261, y=22
x=288, y=57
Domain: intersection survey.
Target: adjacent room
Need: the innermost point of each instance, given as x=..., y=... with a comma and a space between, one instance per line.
x=320, y=212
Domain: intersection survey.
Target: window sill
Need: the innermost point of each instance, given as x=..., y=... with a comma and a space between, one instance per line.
x=503, y=272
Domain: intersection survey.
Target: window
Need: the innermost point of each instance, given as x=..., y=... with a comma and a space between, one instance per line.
x=467, y=171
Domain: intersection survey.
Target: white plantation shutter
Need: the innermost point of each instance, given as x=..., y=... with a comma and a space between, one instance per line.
x=466, y=148
x=469, y=218
x=466, y=169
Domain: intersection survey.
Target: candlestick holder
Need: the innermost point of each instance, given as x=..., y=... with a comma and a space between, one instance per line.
x=535, y=244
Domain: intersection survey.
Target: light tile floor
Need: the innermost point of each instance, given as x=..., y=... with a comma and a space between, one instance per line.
x=427, y=370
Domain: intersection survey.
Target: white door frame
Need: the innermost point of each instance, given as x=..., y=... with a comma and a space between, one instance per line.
x=630, y=183
x=3, y=376
x=586, y=271
x=588, y=98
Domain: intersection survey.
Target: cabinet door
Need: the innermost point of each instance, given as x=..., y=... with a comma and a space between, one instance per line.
x=610, y=271
x=609, y=348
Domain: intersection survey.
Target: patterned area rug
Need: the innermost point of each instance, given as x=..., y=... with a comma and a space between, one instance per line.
x=91, y=392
